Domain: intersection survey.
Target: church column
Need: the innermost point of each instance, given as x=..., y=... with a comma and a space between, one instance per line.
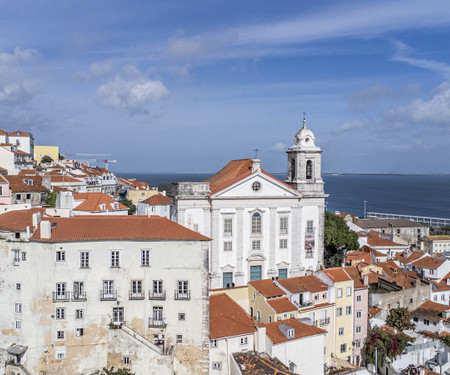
x=206, y=230
x=181, y=216
x=272, y=271
x=215, y=273
x=241, y=265
x=297, y=243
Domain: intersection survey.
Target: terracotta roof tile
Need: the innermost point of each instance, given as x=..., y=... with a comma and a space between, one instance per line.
x=19, y=133
x=18, y=184
x=374, y=239
x=367, y=223
x=267, y=288
x=92, y=201
x=439, y=238
x=251, y=363
x=227, y=318
x=390, y=268
x=336, y=274
x=358, y=280
x=373, y=311
x=113, y=227
x=156, y=199
x=300, y=284
x=428, y=262
x=431, y=311
x=281, y=305
x=301, y=330
x=19, y=220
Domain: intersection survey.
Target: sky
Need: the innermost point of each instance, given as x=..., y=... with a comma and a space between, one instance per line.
x=187, y=86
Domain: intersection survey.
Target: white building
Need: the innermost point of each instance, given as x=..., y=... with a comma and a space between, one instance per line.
x=14, y=160
x=158, y=204
x=23, y=141
x=435, y=244
x=98, y=291
x=260, y=227
x=432, y=317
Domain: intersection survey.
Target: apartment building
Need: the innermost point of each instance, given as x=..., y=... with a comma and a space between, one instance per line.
x=89, y=292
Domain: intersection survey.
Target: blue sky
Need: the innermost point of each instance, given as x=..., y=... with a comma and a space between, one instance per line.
x=187, y=86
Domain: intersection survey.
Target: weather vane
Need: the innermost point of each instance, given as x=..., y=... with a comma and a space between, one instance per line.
x=256, y=152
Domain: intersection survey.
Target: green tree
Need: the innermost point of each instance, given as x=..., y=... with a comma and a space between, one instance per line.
x=46, y=159
x=61, y=157
x=400, y=318
x=51, y=199
x=113, y=371
x=446, y=340
x=338, y=237
x=387, y=343
x=130, y=205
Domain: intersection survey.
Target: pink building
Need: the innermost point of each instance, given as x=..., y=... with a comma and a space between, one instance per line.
x=5, y=191
x=360, y=311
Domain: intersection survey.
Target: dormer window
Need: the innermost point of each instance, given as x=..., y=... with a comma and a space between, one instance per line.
x=291, y=333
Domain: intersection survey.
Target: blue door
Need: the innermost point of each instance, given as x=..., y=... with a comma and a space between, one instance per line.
x=227, y=279
x=255, y=273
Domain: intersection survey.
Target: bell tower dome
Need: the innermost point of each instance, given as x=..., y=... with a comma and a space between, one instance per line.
x=304, y=163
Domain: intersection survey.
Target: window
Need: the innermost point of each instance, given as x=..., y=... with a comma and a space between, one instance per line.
x=157, y=314
x=18, y=324
x=17, y=235
x=358, y=329
x=341, y=331
x=228, y=227
x=28, y=196
x=269, y=318
x=442, y=297
x=182, y=289
x=79, y=314
x=258, y=316
x=118, y=316
x=358, y=314
x=179, y=339
x=343, y=348
x=18, y=197
x=349, y=291
x=60, y=313
x=115, y=258
x=16, y=257
x=158, y=288
x=256, y=223
x=18, y=286
x=244, y=341
x=24, y=256
x=213, y=343
x=348, y=310
x=18, y=308
x=136, y=288
x=227, y=246
x=60, y=335
x=290, y=333
x=282, y=273
x=79, y=332
x=145, y=258
x=411, y=300
x=283, y=243
x=310, y=226
x=256, y=245
x=339, y=311
x=339, y=293
x=60, y=256
x=181, y=316
x=256, y=186
x=435, y=298
x=316, y=297
x=358, y=343
x=283, y=225
x=60, y=352
x=217, y=366
x=227, y=279
x=415, y=319
x=255, y=273
x=426, y=322
x=78, y=290
x=358, y=298
x=324, y=295
x=61, y=291
x=84, y=259
x=309, y=170
x=108, y=288
x=126, y=360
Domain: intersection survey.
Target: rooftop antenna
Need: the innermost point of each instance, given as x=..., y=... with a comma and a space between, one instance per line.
x=256, y=152
x=304, y=120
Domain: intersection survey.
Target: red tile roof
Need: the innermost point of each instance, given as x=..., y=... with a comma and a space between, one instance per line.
x=431, y=311
x=428, y=262
x=336, y=274
x=227, y=318
x=373, y=311
x=18, y=220
x=92, y=201
x=267, y=288
x=156, y=199
x=18, y=184
x=301, y=330
x=374, y=239
x=281, y=305
x=117, y=228
x=63, y=178
x=251, y=363
x=19, y=133
x=390, y=268
x=402, y=258
x=300, y=284
x=358, y=280
x=27, y=172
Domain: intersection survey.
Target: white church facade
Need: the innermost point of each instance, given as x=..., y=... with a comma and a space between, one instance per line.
x=260, y=226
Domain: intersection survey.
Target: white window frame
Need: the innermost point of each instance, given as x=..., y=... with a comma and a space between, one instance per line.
x=18, y=324
x=341, y=331
x=145, y=257
x=228, y=246
x=126, y=360
x=114, y=258
x=227, y=226
x=349, y=291
x=348, y=310
x=358, y=298
x=244, y=340
x=79, y=314
x=60, y=256
x=358, y=329
x=283, y=243
x=60, y=313
x=18, y=308
x=310, y=226
x=284, y=225
x=213, y=343
x=256, y=245
x=343, y=346
x=339, y=312
x=339, y=293
x=256, y=222
x=60, y=335
x=84, y=259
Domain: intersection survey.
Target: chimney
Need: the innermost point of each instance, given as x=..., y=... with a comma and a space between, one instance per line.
x=46, y=229
x=164, y=193
x=256, y=165
x=260, y=339
x=36, y=219
x=28, y=231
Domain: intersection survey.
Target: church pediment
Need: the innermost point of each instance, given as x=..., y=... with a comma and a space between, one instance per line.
x=256, y=258
x=258, y=185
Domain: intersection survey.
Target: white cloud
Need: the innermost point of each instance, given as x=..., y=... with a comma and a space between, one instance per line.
x=348, y=126
x=131, y=91
x=279, y=147
x=15, y=88
x=367, y=98
x=96, y=71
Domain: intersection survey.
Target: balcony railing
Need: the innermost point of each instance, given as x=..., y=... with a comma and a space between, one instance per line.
x=136, y=295
x=156, y=295
x=108, y=296
x=159, y=323
x=79, y=296
x=61, y=297
x=324, y=322
x=182, y=295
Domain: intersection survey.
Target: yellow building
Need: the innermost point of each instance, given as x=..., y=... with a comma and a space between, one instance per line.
x=343, y=298
x=41, y=151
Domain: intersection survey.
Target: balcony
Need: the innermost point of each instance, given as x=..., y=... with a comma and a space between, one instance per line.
x=157, y=295
x=157, y=323
x=61, y=297
x=79, y=297
x=182, y=295
x=324, y=322
x=135, y=295
x=108, y=295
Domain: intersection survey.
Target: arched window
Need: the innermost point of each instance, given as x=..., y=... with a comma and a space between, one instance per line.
x=309, y=170
x=292, y=169
x=256, y=223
